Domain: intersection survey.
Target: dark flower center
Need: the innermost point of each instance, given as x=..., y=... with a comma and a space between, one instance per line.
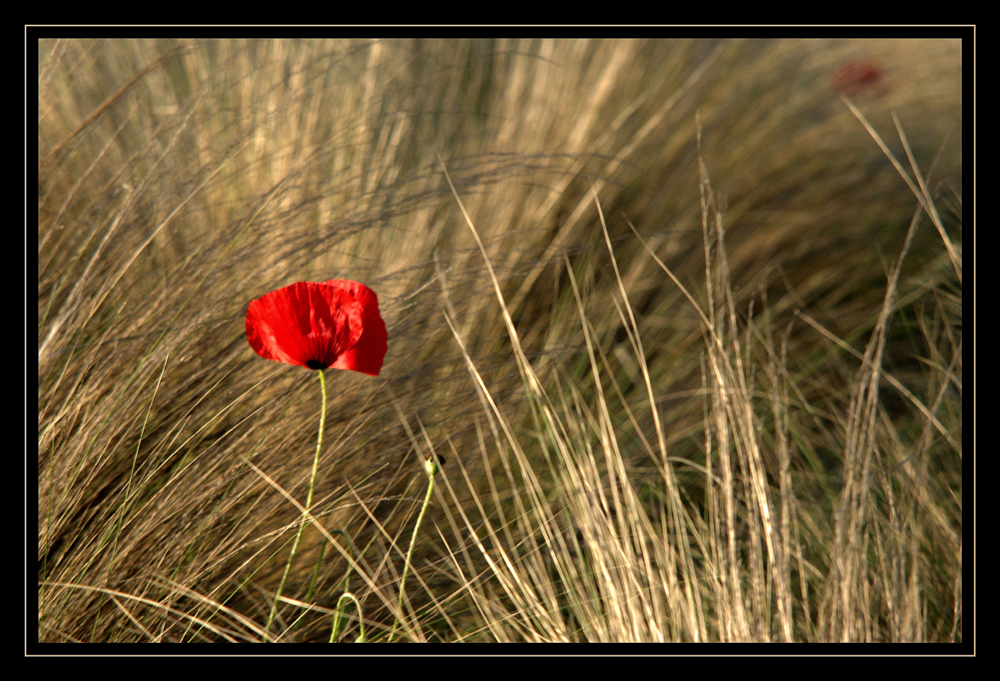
x=313, y=364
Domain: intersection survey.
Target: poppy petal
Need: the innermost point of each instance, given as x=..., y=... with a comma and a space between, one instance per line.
x=368, y=353
x=319, y=325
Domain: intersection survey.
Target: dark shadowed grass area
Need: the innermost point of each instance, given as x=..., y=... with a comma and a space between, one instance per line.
x=708, y=389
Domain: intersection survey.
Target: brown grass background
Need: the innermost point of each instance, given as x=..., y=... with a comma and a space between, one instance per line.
x=179, y=179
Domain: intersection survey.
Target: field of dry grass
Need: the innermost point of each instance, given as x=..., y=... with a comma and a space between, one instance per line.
x=687, y=342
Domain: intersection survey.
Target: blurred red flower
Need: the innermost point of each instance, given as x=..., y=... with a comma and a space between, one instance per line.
x=320, y=325
x=857, y=77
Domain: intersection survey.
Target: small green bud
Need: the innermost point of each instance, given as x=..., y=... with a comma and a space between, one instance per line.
x=430, y=466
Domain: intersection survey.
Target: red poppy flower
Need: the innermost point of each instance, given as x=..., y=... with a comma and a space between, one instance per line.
x=333, y=324
x=857, y=77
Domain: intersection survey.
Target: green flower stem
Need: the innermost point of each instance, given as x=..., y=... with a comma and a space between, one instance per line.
x=335, y=631
x=430, y=467
x=308, y=507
